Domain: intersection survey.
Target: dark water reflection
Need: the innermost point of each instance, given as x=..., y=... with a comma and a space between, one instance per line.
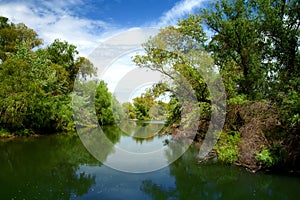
x=44, y=168
x=59, y=167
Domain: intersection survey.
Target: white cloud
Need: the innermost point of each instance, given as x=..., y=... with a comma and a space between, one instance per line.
x=58, y=19
x=55, y=22
x=179, y=10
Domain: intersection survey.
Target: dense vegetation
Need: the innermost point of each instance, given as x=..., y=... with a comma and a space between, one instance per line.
x=254, y=45
x=37, y=83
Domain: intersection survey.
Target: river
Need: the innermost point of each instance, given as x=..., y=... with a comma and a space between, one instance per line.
x=60, y=167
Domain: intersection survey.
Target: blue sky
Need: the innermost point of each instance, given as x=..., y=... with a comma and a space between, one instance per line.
x=86, y=23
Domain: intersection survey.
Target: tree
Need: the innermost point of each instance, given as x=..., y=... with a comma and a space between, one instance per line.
x=142, y=106
x=280, y=26
x=103, y=104
x=178, y=53
x=236, y=45
x=64, y=55
x=117, y=109
x=128, y=109
x=36, y=84
x=256, y=43
x=108, y=109
x=13, y=34
x=29, y=97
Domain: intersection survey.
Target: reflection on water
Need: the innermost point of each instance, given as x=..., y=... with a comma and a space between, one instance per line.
x=140, y=148
x=44, y=168
x=214, y=181
x=59, y=167
x=141, y=130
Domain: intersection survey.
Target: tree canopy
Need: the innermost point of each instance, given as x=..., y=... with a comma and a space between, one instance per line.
x=254, y=46
x=36, y=84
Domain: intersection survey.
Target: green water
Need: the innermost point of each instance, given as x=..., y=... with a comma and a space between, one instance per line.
x=60, y=167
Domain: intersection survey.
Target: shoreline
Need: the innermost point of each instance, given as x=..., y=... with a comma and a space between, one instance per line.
x=277, y=169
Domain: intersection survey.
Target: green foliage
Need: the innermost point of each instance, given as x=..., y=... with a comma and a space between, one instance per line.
x=239, y=99
x=178, y=53
x=4, y=133
x=35, y=85
x=12, y=35
x=227, y=147
x=180, y=57
x=265, y=158
x=173, y=111
x=108, y=109
x=64, y=55
x=27, y=96
x=142, y=106
x=236, y=45
x=290, y=105
x=192, y=27
x=158, y=110
x=103, y=107
x=256, y=45
x=117, y=109
x=128, y=110
x=271, y=156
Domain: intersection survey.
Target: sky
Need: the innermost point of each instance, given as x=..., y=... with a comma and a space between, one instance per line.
x=86, y=23
x=89, y=23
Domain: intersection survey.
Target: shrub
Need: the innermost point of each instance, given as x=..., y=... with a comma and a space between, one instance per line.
x=265, y=157
x=227, y=147
x=239, y=99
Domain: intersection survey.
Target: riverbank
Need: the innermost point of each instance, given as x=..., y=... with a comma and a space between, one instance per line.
x=252, y=137
x=4, y=135
x=247, y=140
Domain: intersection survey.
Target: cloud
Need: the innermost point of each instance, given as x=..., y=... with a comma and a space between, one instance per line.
x=61, y=19
x=181, y=9
x=55, y=20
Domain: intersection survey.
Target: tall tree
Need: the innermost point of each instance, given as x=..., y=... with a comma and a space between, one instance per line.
x=108, y=109
x=236, y=44
x=280, y=26
x=259, y=41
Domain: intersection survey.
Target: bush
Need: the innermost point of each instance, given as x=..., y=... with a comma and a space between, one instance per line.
x=265, y=158
x=227, y=147
x=4, y=133
x=272, y=156
x=239, y=99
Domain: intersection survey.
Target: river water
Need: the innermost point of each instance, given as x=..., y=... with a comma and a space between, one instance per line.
x=60, y=167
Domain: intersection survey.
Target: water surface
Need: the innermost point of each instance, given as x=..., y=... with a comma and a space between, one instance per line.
x=60, y=167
